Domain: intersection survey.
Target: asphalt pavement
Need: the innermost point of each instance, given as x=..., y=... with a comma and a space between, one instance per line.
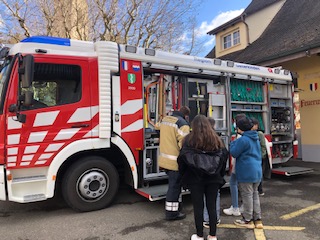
x=290, y=210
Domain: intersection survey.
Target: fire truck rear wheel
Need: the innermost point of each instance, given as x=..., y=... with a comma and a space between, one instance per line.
x=90, y=184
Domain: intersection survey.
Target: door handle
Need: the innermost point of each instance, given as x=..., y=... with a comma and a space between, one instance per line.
x=80, y=126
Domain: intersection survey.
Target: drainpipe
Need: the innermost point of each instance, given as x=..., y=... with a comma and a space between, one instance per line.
x=243, y=17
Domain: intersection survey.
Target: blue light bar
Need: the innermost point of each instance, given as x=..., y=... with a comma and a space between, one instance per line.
x=48, y=40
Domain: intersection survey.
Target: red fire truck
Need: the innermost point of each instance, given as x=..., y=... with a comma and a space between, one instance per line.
x=80, y=116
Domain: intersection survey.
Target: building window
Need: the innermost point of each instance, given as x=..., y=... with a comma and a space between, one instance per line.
x=231, y=39
x=227, y=41
x=236, y=37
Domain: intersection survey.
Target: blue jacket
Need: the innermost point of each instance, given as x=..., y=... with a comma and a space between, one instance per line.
x=246, y=150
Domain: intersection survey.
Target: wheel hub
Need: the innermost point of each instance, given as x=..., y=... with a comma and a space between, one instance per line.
x=93, y=185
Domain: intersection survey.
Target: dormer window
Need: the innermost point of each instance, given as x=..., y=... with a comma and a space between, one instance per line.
x=231, y=39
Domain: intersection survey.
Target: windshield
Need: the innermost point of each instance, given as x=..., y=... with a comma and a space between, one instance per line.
x=5, y=72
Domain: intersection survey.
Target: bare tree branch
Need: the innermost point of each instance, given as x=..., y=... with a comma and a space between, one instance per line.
x=162, y=24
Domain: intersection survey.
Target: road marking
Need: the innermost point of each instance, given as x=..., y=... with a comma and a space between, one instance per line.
x=283, y=228
x=279, y=228
x=300, y=212
x=228, y=226
x=259, y=234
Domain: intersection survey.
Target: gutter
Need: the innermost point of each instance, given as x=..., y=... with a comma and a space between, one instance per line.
x=243, y=19
x=225, y=25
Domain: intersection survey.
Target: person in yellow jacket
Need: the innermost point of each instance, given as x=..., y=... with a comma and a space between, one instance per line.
x=172, y=130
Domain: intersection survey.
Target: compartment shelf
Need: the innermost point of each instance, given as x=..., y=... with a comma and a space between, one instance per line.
x=246, y=110
x=281, y=133
x=251, y=103
x=284, y=98
x=281, y=106
x=281, y=142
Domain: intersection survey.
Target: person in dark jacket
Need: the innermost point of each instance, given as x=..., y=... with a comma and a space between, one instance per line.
x=246, y=150
x=205, y=210
x=172, y=130
x=202, y=163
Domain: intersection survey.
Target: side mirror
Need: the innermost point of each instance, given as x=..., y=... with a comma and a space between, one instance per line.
x=4, y=52
x=28, y=98
x=26, y=71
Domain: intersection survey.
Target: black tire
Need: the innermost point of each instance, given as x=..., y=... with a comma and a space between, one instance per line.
x=90, y=184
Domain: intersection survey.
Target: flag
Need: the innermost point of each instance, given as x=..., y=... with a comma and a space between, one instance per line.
x=125, y=65
x=136, y=67
x=313, y=86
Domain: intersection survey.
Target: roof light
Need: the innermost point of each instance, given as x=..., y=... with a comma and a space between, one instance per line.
x=230, y=63
x=150, y=52
x=41, y=51
x=217, y=61
x=147, y=64
x=277, y=70
x=48, y=40
x=286, y=72
x=131, y=49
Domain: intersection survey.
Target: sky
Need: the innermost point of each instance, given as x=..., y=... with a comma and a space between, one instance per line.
x=214, y=13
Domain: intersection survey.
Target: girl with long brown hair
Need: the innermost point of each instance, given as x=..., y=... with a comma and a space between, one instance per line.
x=202, y=163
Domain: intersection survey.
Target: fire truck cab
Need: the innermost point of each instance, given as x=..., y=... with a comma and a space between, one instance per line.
x=80, y=116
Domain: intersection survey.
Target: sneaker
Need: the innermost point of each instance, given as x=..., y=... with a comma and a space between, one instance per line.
x=211, y=238
x=232, y=211
x=258, y=224
x=206, y=224
x=218, y=222
x=196, y=237
x=244, y=223
x=179, y=216
x=261, y=193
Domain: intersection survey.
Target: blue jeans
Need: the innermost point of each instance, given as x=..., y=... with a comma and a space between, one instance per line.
x=250, y=199
x=234, y=190
x=205, y=210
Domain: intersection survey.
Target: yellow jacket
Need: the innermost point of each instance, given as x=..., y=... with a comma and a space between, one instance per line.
x=172, y=130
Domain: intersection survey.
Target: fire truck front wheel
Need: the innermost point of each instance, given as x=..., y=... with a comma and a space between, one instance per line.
x=90, y=184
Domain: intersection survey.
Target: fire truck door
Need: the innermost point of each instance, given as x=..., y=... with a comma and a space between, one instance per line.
x=60, y=113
